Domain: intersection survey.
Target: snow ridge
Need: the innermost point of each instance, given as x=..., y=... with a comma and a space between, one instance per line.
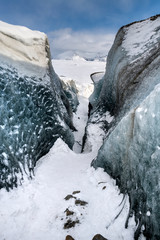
x=21, y=46
x=140, y=37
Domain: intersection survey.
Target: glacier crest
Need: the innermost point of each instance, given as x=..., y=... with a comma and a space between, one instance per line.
x=130, y=92
x=35, y=111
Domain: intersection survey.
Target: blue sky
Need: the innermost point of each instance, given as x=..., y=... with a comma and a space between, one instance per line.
x=73, y=20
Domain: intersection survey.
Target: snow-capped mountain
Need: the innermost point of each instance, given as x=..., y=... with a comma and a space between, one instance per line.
x=69, y=55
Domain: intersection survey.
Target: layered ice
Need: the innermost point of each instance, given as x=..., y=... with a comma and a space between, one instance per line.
x=35, y=111
x=130, y=65
x=71, y=91
x=131, y=154
x=129, y=93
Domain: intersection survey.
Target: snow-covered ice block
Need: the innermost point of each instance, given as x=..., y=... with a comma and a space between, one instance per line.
x=34, y=110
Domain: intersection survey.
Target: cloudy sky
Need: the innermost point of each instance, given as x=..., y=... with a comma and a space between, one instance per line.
x=84, y=27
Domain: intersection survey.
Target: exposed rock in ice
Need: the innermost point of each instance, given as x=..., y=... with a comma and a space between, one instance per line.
x=34, y=108
x=96, y=76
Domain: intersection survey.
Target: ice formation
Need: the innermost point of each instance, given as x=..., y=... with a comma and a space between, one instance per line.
x=34, y=108
x=71, y=91
x=129, y=93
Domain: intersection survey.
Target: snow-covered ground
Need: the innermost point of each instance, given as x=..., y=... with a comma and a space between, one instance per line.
x=38, y=210
x=79, y=70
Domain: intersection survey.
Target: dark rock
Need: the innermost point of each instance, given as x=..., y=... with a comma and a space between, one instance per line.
x=101, y=182
x=76, y=192
x=68, y=237
x=70, y=223
x=80, y=202
x=98, y=237
x=68, y=212
x=69, y=197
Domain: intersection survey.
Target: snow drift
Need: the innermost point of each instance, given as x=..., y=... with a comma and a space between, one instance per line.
x=129, y=94
x=34, y=108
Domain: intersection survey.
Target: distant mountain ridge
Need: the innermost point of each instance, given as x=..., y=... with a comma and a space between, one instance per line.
x=71, y=55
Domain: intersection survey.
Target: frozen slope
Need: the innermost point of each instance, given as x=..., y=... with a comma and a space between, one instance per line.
x=34, y=109
x=129, y=92
x=37, y=209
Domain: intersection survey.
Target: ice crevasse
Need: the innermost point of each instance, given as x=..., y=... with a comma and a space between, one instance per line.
x=130, y=93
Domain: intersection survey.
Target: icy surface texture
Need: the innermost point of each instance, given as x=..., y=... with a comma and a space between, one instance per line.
x=129, y=65
x=99, y=119
x=34, y=109
x=130, y=91
x=71, y=92
x=24, y=45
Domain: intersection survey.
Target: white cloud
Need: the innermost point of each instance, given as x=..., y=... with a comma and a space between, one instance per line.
x=87, y=44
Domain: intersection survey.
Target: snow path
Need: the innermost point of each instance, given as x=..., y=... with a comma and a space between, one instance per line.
x=36, y=210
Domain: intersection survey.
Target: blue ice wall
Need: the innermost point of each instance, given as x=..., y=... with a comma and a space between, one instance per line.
x=32, y=116
x=71, y=91
x=130, y=153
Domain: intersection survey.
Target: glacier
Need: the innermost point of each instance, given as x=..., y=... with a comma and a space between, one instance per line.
x=129, y=93
x=71, y=91
x=35, y=110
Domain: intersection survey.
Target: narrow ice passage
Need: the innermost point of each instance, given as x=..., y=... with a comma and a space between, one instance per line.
x=80, y=120
x=38, y=210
